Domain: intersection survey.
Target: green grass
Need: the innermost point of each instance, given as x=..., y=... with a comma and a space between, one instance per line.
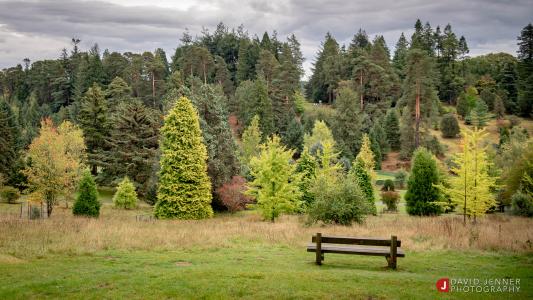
x=258, y=271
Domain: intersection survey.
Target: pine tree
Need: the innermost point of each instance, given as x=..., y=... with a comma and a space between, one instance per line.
x=470, y=188
x=125, y=196
x=87, y=203
x=392, y=129
x=347, y=123
x=419, y=93
x=318, y=88
x=93, y=120
x=407, y=135
x=132, y=143
x=276, y=183
x=118, y=91
x=9, y=140
x=525, y=71
x=184, y=187
x=422, y=196
x=400, y=55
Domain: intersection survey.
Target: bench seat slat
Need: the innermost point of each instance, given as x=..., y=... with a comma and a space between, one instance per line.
x=360, y=250
x=356, y=241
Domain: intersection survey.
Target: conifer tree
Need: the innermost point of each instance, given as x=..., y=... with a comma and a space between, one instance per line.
x=392, y=129
x=293, y=138
x=348, y=122
x=525, y=70
x=320, y=135
x=93, y=120
x=125, y=196
x=87, y=203
x=9, y=140
x=307, y=166
x=276, y=183
x=251, y=139
x=365, y=155
x=422, y=196
x=184, y=190
x=210, y=102
x=400, y=54
x=118, y=91
x=132, y=144
x=363, y=177
x=470, y=187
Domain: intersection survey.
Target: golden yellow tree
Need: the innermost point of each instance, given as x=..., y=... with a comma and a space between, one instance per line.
x=470, y=188
x=366, y=156
x=55, y=162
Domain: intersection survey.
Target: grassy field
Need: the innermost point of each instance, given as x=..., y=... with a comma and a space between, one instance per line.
x=242, y=256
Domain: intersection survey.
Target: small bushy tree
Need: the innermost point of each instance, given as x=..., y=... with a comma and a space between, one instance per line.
x=9, y=194
x=449, y=126
x=276, y=183
x=339, y=202
x=522, y=204
x=232, y=194
x=422, y=195
x=125, y=196
x=87, y=203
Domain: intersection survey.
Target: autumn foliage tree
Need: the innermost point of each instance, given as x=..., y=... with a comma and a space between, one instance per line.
x=232, y=194
x=470, y=188
x=55, y=161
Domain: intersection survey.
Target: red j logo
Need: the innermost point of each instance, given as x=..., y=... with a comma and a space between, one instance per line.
x=443, y=285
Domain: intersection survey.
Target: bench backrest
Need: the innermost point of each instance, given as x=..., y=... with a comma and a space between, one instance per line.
x=356, y=241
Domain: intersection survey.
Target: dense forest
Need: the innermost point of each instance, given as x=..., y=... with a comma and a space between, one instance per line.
x=254, y=110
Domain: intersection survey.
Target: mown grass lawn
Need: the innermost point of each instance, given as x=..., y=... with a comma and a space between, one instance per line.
x=254, y=270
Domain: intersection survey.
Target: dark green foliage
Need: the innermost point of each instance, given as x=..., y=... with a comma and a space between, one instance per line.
x=87, y=203
x=525, y=71
x=407, y=135
x=376, y=150
x=422, y=195
x=347, y=122
x=131, y=145
x=10, y=142
x=294, y=136
x=307, y=166
x=252, y=99
x=93, y=120
x=184, y=190
x=400, y=178
x=388, y=186
x=449, y=126
x=210, y=102
x=320, y=86
x=9, y=194
x=522, y=204
x=340, y=203
x=400, y=54
x=390, y=199
x=479, y=115
x=392, y=129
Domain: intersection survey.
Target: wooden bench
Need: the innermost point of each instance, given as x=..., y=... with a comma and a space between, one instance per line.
x=390, y=248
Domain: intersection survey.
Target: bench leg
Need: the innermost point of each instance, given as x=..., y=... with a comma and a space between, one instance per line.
x=391, y=262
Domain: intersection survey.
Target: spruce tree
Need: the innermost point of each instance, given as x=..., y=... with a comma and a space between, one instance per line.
x=525, y=71
x=422, y=195
x=348, y=122
x=87, y=203
x=132, y=144
x=9, y=140
x=93, y=120
x=210, y=102
x=400, y=54
x=184, y=187
x=392, y=129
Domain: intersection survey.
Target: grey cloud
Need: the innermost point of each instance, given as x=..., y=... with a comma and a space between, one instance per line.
x=488, y=25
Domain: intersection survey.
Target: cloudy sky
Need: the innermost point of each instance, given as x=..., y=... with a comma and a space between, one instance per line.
x=40, y=29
